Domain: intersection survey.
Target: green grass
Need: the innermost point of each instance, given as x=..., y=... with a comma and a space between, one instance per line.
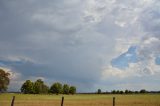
x=81, y=100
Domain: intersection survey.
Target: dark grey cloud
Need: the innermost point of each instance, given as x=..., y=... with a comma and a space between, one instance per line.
x=46, y=32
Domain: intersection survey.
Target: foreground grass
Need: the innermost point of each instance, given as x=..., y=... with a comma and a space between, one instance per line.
x=81, y=100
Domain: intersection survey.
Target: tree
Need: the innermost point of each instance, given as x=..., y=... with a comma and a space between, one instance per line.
x=117, y=92
x=4, y=80
x=72, y=90
x=136, y=92
x=40, y=87
x=143, y=91
x=28, y=87
x=45, y=89
x=37, y=87
x=56, y=88
x=114, y=92
x=126, y=91
x=99, y=91
x=130, y=92
x=65, y=89
x=121, y=92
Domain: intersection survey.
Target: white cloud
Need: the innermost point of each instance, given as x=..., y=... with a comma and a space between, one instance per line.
x=6, y=69
x=148, y=46
x=121, y=24
x=144, y=67
x=13, y=75
x=17, y=58
x=128, y=55
x=151, y=40
x=15, y=79
x=95, y=11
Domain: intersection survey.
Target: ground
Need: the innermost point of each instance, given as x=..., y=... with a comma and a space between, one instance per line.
x=81, y=100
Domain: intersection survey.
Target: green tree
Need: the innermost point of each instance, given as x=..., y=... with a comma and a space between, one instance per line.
x=72, y=90
x=117, y=92
x=65, y=89
x=37, y=87
x=130, y=92
x=45, y=89
x=121, y=92
x=4, y=80
x=143, y=91
x=114, y=92
x=126, y=91
x=27, y=87
x=40, y=87
x=99, y=91
x=56, y=88
x=136, y=92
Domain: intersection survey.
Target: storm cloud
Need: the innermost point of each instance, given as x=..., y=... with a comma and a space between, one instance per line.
x=76, y=41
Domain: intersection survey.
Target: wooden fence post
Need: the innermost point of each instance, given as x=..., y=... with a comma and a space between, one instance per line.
x=113, y=101
x=12, y=103
x=62, y=101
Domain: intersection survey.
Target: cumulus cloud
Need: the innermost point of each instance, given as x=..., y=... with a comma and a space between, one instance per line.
x=138, y=62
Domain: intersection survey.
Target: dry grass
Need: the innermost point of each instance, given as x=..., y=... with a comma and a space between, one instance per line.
x=81, y=100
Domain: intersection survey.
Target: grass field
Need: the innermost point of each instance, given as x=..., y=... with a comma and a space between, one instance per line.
x=81, y=100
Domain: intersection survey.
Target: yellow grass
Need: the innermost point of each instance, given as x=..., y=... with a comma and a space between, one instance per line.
x=81, y=100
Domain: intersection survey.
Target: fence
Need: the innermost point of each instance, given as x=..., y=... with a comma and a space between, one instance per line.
x=62, y=101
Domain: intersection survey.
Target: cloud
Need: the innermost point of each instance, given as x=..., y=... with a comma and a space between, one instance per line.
x=69, y=40
x=137, y=61
x=15, y=78
x=151, y=14
x=147, y=54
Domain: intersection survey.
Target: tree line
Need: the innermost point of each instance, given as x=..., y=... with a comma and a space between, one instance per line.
x=126, y=91
x=39, y=87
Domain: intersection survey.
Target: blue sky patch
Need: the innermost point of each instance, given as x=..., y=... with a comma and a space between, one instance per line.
x=157, y=61
x=124, y=59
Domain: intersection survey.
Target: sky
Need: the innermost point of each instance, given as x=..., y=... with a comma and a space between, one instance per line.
x=91, y=44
